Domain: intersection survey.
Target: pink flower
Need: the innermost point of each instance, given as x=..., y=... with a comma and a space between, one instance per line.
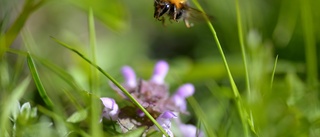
x=111, y=109
x=179, y=98
x=160, y=71
x=189, y=130
x=164, y=121
x=129, y=76
x=153, y=95
x=156, y=83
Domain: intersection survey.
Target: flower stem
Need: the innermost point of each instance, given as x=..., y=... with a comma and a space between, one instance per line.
x=241, y=110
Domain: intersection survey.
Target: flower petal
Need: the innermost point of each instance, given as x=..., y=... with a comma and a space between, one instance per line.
x=189, y=130
x=185, y=90
x=180, y=103
x=164, y=121
x=168, y=115
x=140, y=113
x=129, y=76
x=111, y=109
x=160, y=72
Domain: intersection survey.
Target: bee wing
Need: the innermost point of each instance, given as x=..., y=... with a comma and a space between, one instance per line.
x=195, y=15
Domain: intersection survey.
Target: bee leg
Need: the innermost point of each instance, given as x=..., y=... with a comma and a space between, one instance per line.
x=160, y=9
x=174, y=13
x=179, y=15
x=188, y=24
x=163, y=21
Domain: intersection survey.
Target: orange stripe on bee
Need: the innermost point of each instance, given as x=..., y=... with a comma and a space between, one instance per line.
x=177, y=3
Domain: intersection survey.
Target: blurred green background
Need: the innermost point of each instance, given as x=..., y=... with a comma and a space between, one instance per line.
x=127, y=34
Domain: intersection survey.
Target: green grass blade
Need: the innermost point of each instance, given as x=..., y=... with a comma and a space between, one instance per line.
x=114, y=82
x=310, y=44
x=7, y=38
x=8, y=103
x=215, y=36
x=274, y=71
x=94, y=79
x=242, y=111
x=61, y=73
x=92, y=35
x=243, y=50
x=244, y=58
x=201, y=115
x=38, y=82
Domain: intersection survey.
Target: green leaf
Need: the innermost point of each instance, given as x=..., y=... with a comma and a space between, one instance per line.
x=274, y=71
x=134, y=133
x=78, y=116
x=38, y=82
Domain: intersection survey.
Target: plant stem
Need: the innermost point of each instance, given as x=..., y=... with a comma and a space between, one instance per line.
x=96, y=129
x=241, y=110
x=310, y=45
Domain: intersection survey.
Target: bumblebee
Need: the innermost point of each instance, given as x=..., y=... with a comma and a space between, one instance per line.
x=175, y=9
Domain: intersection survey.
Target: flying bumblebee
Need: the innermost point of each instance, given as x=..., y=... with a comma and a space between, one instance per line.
x=176, y=10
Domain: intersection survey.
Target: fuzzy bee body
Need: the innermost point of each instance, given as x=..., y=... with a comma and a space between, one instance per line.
x=175, y=9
